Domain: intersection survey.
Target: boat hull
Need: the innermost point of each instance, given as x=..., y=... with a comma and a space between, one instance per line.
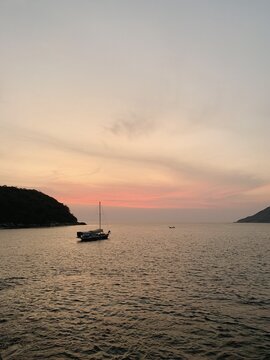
x=94, y=236
x=86, y=238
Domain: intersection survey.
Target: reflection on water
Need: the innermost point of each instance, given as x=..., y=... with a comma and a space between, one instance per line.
x=149, y=292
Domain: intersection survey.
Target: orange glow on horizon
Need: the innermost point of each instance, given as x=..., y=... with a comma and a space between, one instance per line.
x=195, y=196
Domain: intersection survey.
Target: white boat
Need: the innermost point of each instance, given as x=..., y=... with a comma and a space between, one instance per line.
x=96, y=234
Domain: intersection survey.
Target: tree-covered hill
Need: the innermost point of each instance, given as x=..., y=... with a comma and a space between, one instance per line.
x=262, y=216
x=31, y=208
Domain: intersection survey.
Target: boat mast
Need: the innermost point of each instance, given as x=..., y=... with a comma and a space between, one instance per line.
x=99, y=213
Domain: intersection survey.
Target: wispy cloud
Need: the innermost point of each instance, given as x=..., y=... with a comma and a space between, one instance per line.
x=176, y=166
x=132, y=125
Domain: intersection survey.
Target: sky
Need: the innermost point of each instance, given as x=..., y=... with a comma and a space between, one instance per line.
x=158, y=108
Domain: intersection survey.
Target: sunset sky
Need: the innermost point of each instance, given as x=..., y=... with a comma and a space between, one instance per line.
x=158, y=108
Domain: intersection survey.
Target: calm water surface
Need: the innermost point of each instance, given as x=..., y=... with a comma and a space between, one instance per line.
x=149, y=292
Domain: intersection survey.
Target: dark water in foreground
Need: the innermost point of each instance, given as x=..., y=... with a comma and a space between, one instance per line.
x=193, y=292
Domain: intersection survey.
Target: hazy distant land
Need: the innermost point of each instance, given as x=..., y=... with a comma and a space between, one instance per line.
x=24, y=208
x=262, y=216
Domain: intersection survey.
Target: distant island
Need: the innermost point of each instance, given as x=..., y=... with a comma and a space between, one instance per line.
x=25, y=208
x=262, y=216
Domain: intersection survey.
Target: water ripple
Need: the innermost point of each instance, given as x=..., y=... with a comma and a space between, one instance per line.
x=198, y=293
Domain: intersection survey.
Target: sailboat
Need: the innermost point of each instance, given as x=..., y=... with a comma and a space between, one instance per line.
x=93, y=235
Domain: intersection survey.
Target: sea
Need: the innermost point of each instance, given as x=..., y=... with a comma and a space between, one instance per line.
x=198, y=291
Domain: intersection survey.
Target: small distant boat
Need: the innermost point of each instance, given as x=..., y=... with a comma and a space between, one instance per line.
x=96, y=234
x=171, y=227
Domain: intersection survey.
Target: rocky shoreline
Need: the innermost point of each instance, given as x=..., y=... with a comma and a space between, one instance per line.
x=32, y=226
